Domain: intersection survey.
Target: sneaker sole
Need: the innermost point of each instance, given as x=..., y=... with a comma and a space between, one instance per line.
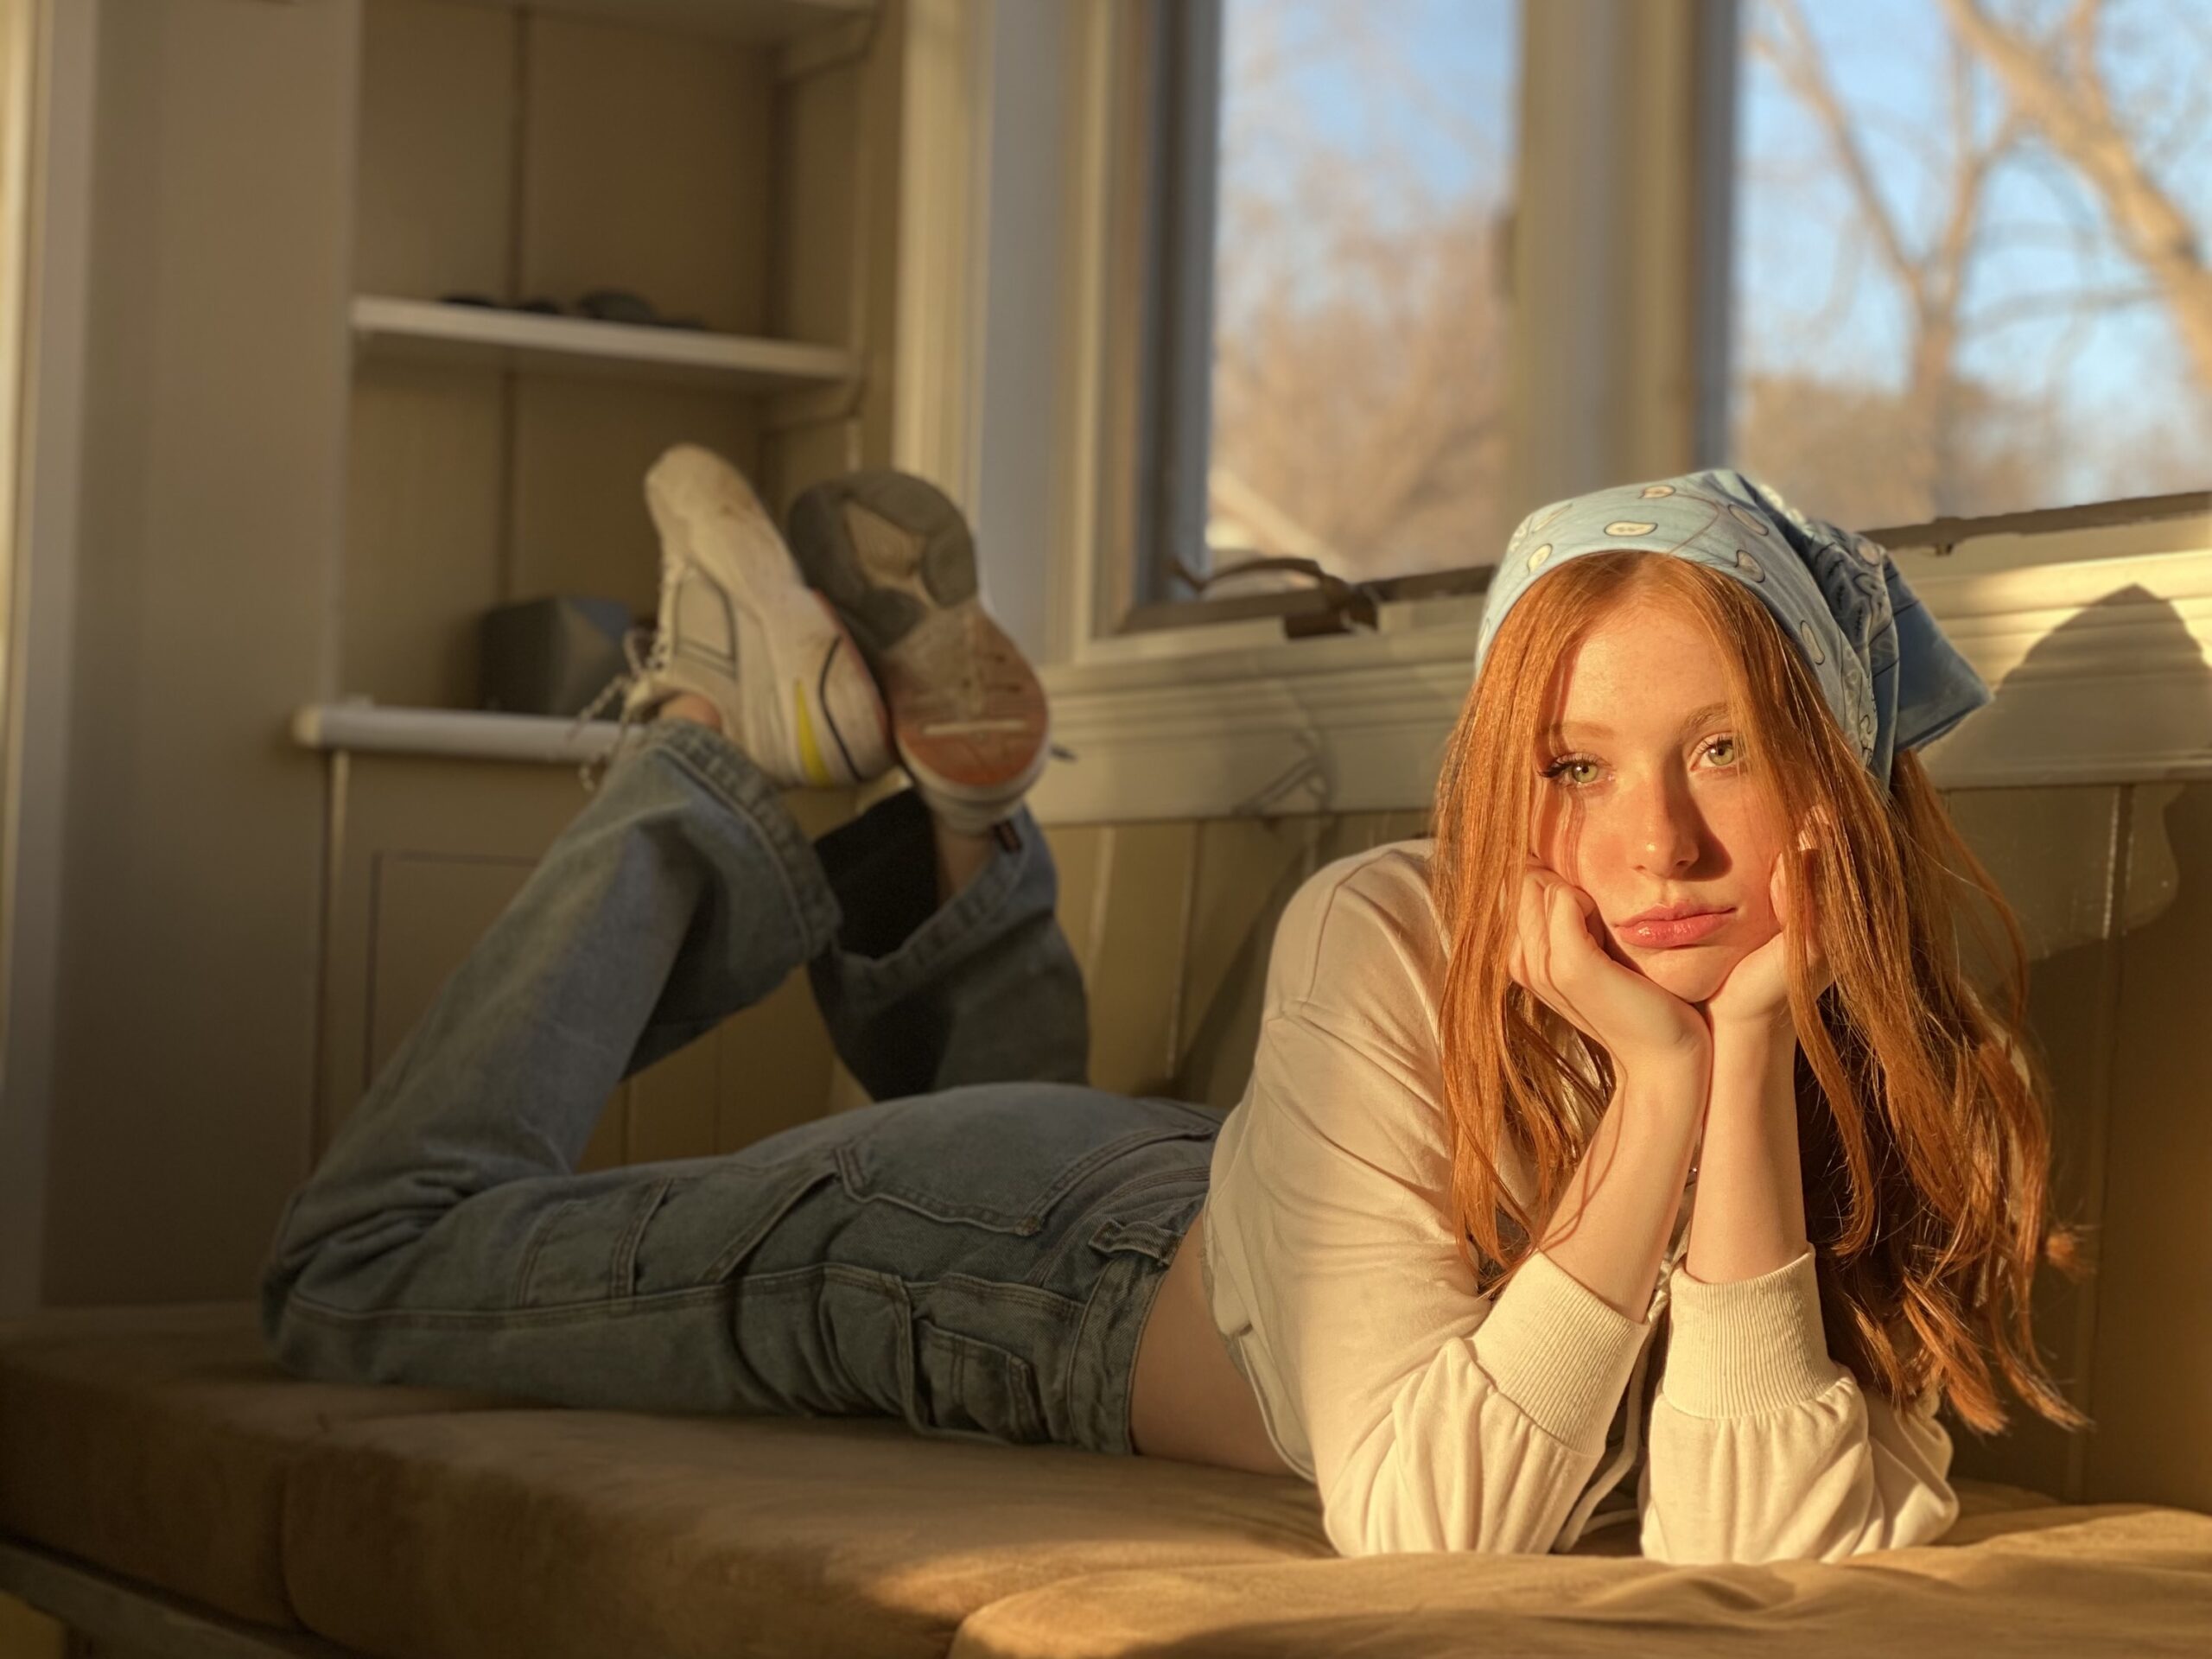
x=904, y=583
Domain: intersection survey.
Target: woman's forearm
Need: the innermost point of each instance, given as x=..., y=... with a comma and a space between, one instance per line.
x=1612, y=1225
x=1749, y=1219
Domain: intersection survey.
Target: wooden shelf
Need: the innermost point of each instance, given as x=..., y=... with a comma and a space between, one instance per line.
x=427, y=330
x=753, y=22
x=457, y=733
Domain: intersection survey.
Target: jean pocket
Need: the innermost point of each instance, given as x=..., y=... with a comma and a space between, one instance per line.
x=711, y=1226
x=652, y=1234
x=585, y=1249
x=965, y=1386
x=1000, y=1158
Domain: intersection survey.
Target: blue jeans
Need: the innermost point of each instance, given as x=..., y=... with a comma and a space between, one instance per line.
x=974, y=1253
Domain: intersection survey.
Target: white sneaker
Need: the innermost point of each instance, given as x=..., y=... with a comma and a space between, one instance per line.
x=739, y=627
x=969, y=716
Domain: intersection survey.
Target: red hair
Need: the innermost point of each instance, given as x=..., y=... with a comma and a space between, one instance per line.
x=1922, y=1117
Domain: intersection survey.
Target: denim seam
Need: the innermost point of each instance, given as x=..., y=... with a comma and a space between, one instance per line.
x=1076, y=1345
x=1027, y=1226
x=1118, y=1270
x=1050, y=1301
x=561, y=1313
x=1017, y=1380
x=1083, y=1237
x=621, y=1272
x=788, y=1279
x=1129, y=1273
x=1152, y=1284
x=746, y=1241
x=538, y=1234
x=893, y=1291
x=747, y=794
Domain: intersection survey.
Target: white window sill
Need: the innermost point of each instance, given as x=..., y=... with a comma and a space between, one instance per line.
x=2098, y=642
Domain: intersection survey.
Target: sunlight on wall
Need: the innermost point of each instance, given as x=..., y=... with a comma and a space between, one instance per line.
x=26, y=1633
x=17, y=22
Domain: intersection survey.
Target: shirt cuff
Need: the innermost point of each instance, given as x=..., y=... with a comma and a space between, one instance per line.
x=1747, y=1347
x=1560, y=1351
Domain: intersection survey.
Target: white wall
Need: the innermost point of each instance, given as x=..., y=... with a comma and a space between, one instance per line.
x=211, y=491
x=1026, y=287
x=60, y=38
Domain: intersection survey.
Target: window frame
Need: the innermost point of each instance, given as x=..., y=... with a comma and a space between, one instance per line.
x=1657, y=160
x=1670, y=67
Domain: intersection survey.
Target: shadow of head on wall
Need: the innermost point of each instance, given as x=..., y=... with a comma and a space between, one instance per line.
x=2119, y=693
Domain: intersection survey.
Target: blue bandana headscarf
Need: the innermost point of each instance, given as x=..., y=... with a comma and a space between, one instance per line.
x=1890, y=676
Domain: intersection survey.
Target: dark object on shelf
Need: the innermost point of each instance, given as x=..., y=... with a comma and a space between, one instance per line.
x=544, y=307
x=602, y=305
x=620, y=305
x=550, y=656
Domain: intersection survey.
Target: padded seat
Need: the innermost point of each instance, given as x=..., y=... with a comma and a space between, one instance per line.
x=2040, y=1581
x=162, y=1445
x=156, y=1442
x=559, y=1533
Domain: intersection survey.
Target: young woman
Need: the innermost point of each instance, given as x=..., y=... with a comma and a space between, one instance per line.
x=1690, y=924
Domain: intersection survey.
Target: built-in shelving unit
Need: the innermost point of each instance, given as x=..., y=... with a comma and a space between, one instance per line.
x=737, y=161
x=434, y=332
x=450, y=734
x=711, y=158
x=752, y=21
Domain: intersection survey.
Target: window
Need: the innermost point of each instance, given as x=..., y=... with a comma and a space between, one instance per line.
x=1359, y=315
x=1949, y=258
x=1973, y=274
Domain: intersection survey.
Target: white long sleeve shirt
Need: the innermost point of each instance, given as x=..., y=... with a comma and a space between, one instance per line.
x=1432, y=1418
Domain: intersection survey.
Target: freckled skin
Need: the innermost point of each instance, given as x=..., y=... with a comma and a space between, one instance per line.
x=1654, y=812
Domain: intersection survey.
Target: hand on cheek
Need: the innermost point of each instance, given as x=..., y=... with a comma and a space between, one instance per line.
x=1757, y=991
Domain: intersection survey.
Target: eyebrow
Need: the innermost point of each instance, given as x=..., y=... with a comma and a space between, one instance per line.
x=1691, y=722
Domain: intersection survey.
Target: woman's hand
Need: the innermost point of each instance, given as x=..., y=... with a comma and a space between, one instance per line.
x=1754, y=1000
x=1558, y=959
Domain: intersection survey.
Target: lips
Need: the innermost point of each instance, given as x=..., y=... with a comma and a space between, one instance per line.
x=1665, y=927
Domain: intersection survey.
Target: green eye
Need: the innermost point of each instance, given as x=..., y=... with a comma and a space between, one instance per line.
x=1723, y=751
x=1572, y=770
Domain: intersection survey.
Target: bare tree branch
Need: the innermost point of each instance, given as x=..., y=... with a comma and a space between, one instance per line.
x=2073, y=112
x=2024, y=308
x=1933, y=281
x=1799, y=65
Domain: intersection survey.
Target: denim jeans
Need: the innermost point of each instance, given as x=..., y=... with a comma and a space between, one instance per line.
x=976, y=1252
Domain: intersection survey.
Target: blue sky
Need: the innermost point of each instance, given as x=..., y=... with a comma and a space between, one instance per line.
x=1888, y=60
x=1423, y=93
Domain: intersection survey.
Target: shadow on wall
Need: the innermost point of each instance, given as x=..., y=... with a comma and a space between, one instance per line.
x=2113, y=885
x=2048, y=706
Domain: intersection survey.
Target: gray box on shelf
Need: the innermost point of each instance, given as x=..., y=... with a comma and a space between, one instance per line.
x=550, y=656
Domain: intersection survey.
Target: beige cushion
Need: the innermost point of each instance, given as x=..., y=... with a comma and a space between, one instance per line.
x=556, y=1533
x=154, y=1442
x=2050, y=1580
x=164, y=1445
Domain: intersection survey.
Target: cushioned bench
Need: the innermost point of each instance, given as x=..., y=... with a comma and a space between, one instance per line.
x=156, y=1460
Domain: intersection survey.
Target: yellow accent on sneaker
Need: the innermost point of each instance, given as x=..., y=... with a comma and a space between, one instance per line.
x=810, y=750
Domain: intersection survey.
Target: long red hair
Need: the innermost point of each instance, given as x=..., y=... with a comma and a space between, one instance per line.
x=1922, y=1117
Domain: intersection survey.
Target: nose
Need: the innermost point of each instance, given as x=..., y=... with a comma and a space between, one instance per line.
x=1665, y=832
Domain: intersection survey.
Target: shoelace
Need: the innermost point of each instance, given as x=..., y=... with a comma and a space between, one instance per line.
x=653, y=661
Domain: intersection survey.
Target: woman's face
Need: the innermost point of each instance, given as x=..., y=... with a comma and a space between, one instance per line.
x=1644, y=800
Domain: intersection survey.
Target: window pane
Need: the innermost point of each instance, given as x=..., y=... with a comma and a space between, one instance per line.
x=1366, y=151
x=1971, y=268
